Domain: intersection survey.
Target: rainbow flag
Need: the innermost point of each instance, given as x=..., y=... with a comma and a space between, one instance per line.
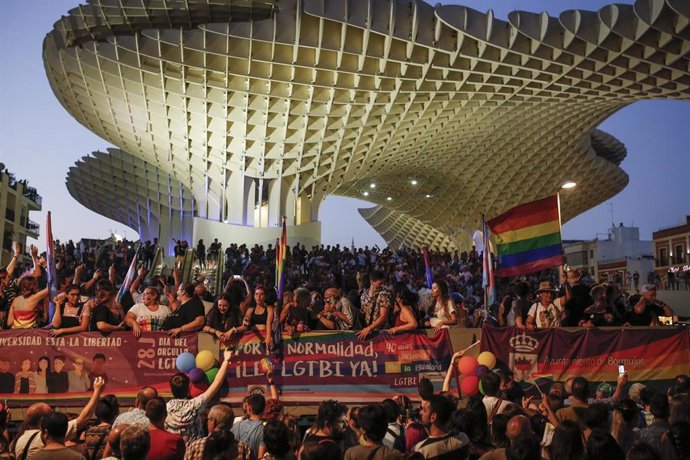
x=129, y=277
x=488, y=282
x=50, y=267
x=281, y=261
x=528, y=237
x=427, y=266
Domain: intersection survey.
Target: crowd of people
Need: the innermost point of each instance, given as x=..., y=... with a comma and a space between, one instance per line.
x=365, y=289
x=570, y=421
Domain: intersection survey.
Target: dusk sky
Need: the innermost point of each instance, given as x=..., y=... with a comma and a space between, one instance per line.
x=39, y=141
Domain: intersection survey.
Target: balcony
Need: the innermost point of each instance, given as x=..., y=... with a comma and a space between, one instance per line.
x=32, y=228
x=33, y=196
x=9, y=214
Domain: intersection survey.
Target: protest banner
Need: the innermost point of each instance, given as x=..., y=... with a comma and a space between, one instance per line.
x=337, y=365
x=647, y=354
x=34, y=366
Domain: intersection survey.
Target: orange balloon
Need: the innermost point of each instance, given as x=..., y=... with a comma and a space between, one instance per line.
x=467, y=365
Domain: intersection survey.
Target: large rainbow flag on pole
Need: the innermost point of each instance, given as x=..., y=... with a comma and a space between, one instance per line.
x=528, y=237
x=281, y=261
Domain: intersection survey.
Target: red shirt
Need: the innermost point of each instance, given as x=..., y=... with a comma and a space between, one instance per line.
x=165, y=445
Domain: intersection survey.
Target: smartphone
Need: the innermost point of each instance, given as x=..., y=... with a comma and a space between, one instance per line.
x=621, y=370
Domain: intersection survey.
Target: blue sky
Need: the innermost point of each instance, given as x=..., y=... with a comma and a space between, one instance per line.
x=39, y=141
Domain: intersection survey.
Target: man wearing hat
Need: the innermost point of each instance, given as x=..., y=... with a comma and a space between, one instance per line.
x=547, y=312
x=649, y=304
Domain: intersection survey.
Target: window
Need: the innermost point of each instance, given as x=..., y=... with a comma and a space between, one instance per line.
x=663, y=257
x=678, y=254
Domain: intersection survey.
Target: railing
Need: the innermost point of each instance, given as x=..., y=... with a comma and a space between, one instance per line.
x=32, y=194
x=32, y=226
x=187, y=266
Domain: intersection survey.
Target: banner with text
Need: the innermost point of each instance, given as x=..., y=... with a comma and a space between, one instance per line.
x=647, y=354
x=34, y=366
x=323, y=365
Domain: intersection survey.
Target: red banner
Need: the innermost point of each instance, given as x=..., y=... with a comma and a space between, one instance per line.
x=321, y=365
x=35, y=366
x=647, y=354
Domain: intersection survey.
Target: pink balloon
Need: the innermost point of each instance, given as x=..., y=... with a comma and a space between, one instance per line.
x=469, y=385
x=467, y=365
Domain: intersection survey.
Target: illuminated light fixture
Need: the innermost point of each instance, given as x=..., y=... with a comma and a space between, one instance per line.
x=568, y=185
x=389, y=199
x=413, y=182
x=365, y=193
x=372, y=185
x=427, y=195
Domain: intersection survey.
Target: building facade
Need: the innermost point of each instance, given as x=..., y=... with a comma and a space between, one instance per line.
x=672, y=256
x=17, y=200
x=621, y=257
x=582, y=255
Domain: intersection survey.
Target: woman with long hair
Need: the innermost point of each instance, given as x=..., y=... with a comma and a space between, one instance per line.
x=224, y=318
x=276, y=443
x=404, y=316
x=41, y=374
x=444, y=314
x=259, y=317
x=71, y=316
x=623, y=423
x=295, y=315
x=567, y=443
x=25, y=310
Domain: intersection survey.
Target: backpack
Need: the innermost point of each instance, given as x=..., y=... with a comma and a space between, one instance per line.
x=398, y=439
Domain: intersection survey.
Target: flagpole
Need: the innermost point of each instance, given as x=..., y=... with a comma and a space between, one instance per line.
x=485, y=276
x=560, y=267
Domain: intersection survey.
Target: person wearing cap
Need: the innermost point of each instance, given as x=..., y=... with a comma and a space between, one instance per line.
x=649, y=305
x=604, y=390
x=547, y=312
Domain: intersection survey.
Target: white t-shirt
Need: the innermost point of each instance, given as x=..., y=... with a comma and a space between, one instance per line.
x=549, y=316
x=149, y=320
x=441, y=313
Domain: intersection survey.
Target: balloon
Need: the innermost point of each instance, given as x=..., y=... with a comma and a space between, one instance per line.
x=481, y=388
x=196, y=375
x=487, y=358
x=211, y=374
x=467, y=364
x=185, y=362
x=469, y=385
x=481, y=370
x=195, y=389
x=205, y=360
